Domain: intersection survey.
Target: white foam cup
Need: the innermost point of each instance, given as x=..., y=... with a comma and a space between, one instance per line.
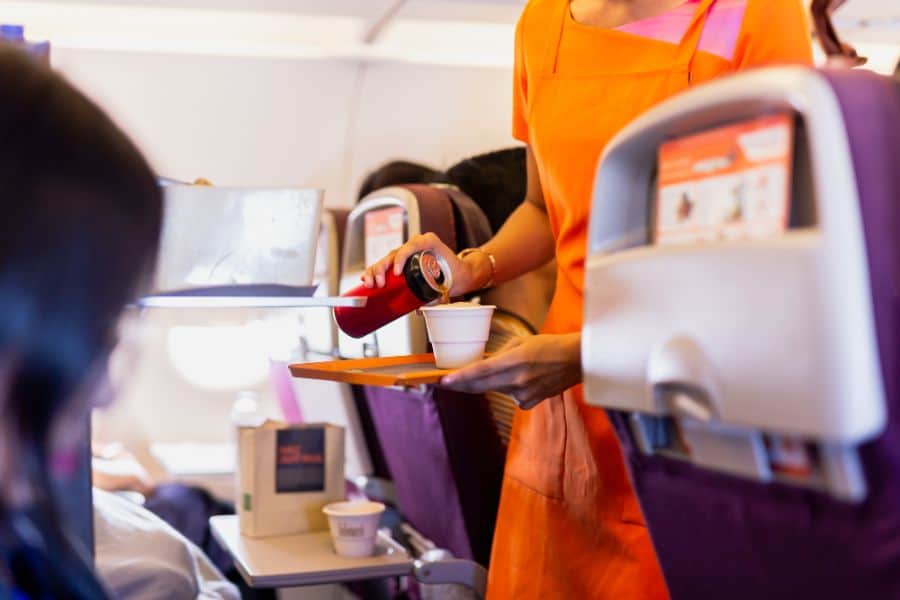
x=354, y=526
x=458, y=332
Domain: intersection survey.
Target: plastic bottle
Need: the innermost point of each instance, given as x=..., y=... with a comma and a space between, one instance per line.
x=245, y=411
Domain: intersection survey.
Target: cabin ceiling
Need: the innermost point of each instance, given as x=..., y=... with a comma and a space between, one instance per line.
x=445, y=32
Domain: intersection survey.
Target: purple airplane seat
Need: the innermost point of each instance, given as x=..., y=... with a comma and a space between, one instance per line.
x=752, y=374
x=441, y=449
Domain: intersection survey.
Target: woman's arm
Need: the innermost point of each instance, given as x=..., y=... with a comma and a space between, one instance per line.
x=524, y=243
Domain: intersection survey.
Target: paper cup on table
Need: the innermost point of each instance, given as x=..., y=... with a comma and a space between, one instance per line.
x=354, y=526
x=458, y=332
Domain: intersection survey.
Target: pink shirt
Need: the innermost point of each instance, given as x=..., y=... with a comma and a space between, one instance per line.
x=719, y=35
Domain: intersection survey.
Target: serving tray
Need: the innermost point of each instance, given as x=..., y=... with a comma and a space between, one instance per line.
x=416, y=369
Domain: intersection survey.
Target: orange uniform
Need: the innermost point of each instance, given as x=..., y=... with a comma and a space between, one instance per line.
x=569, y=524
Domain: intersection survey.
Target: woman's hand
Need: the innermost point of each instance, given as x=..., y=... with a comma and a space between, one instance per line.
x=529, y=369
x=524, y=243
x=467, y=274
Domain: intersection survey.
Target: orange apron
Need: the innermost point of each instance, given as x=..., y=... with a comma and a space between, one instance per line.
x=569, y=524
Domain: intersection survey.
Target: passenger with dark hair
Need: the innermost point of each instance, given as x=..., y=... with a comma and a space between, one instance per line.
x=79, y=234
x=496, y=181
x=398, y=172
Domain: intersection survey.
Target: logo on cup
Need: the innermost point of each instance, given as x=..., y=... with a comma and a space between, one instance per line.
x=348, y=530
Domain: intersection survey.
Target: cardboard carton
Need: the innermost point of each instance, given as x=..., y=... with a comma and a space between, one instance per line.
x=286, y=474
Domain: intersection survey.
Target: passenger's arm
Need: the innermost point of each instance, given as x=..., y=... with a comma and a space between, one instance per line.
x=839, y=52
x=524, y=243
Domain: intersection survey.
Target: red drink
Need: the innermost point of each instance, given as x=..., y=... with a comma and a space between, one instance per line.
x=425, y=278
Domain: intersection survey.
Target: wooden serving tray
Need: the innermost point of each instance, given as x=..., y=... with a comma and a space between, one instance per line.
x=417, y=369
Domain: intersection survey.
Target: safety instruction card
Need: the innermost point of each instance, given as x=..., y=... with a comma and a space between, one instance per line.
x=729, y=183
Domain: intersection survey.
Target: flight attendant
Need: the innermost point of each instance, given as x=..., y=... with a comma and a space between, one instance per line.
x=569, y=524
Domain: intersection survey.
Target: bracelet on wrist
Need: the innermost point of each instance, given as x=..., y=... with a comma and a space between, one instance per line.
x=493, y=262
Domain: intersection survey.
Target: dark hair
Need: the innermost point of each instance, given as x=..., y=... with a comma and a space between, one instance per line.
x=398, y=172
x=80, y=228
x=496, y=181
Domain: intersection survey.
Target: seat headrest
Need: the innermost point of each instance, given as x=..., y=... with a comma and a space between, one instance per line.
x=445, y=211
x=472, y=225
x=436, y=212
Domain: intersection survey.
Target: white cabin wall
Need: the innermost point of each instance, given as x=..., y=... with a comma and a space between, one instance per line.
x=290, y=122
x=233, y=120
x=438, y=115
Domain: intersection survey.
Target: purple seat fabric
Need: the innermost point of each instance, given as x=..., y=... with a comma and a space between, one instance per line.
x=719, y=536
x=446, y=462
x=441, y=448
